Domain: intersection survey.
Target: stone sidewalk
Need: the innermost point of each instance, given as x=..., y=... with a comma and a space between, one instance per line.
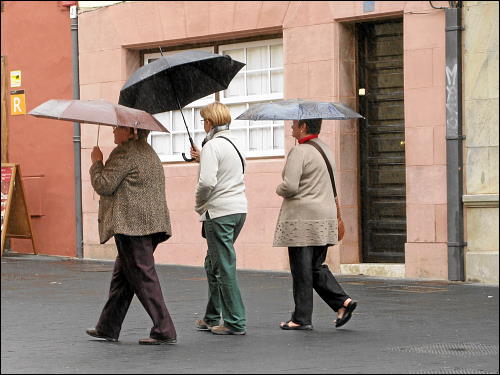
x=400, y=326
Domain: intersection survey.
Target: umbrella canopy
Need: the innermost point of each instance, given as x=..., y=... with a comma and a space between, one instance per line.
x=298, y=109
x=97, y=112
x=173, y=81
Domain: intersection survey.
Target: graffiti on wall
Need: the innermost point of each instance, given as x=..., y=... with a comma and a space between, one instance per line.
x=452, y=97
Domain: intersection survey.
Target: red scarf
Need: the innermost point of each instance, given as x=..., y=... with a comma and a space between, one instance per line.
x=309, y=137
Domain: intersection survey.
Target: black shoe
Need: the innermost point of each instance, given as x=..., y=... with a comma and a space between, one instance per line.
x=347, y=314
x=301, y=327
x=93, y=332
x=152, y=341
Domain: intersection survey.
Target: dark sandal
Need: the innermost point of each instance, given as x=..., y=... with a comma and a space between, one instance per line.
x=347, y=314
x=303, y=327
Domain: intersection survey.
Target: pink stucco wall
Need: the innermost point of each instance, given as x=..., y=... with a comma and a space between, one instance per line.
x=36, y=39
x=425, y=121
x=319, y=61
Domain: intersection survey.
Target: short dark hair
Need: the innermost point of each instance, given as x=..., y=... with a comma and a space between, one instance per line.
x=313, y=125
x=141, y=133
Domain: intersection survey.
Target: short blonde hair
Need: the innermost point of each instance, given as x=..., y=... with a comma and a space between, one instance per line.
x=217, y=113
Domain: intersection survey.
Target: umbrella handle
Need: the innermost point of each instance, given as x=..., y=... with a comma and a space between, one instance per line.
x=184, y=154
x=186, y=159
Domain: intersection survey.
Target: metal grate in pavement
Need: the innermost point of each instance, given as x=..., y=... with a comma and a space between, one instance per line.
x=465, y=349
x=11, y=276
x=448, y=370
x=96, y=269
x=415, y=288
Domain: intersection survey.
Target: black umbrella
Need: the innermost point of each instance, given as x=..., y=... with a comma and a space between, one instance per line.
x=298, y=109
x=173, y=81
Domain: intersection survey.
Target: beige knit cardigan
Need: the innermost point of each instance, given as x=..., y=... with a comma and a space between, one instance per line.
x=308, y=215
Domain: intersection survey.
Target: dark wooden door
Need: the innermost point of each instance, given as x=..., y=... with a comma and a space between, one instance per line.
x=382, y=138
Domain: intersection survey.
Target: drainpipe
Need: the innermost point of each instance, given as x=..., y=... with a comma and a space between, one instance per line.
x=454, y=139
x=73, y=11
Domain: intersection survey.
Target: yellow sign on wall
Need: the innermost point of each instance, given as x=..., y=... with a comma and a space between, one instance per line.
x=15, y=78
x=17, y=104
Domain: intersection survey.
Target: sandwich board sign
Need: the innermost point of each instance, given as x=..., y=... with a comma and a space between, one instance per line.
x=16, y=222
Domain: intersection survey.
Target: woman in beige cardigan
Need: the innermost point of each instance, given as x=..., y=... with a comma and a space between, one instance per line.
x=308, y=223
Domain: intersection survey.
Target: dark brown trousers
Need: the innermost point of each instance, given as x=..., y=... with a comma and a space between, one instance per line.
x=134, y=273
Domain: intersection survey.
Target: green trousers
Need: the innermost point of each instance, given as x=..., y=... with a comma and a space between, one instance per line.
x=224, y=297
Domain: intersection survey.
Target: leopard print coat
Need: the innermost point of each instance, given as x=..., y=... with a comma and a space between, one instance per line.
x=131, y=186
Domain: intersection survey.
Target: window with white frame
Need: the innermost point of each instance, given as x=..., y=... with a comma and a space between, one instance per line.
x=259, y=81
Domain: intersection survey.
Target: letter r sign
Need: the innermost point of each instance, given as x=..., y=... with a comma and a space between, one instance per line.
x=17, y=104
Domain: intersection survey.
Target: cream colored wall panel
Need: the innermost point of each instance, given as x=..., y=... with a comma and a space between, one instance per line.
x=482, y=267
x=481, y=121
x=482, y=229
x=479, y=22
x=476, y=71
x=477, y=170
x=493, y=169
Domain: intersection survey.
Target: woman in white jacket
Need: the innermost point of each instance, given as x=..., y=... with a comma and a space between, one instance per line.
x=222, y=206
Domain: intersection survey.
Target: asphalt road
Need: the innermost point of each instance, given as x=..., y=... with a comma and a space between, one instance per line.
x=400, y=326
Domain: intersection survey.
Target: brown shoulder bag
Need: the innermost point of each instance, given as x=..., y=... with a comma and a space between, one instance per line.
x=332, y=179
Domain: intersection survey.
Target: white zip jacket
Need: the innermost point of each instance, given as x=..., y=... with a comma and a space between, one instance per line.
x=221, y=187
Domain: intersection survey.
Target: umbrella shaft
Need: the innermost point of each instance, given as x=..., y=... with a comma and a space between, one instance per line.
x=180, y=108
x=182, y=114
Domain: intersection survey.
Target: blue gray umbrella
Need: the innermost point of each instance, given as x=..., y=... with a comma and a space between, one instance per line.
x=298, y=109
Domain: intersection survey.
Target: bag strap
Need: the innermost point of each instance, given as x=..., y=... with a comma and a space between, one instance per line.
x=328, y=165
x=236, y=148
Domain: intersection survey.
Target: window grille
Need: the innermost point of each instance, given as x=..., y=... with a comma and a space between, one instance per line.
x=259, y=81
